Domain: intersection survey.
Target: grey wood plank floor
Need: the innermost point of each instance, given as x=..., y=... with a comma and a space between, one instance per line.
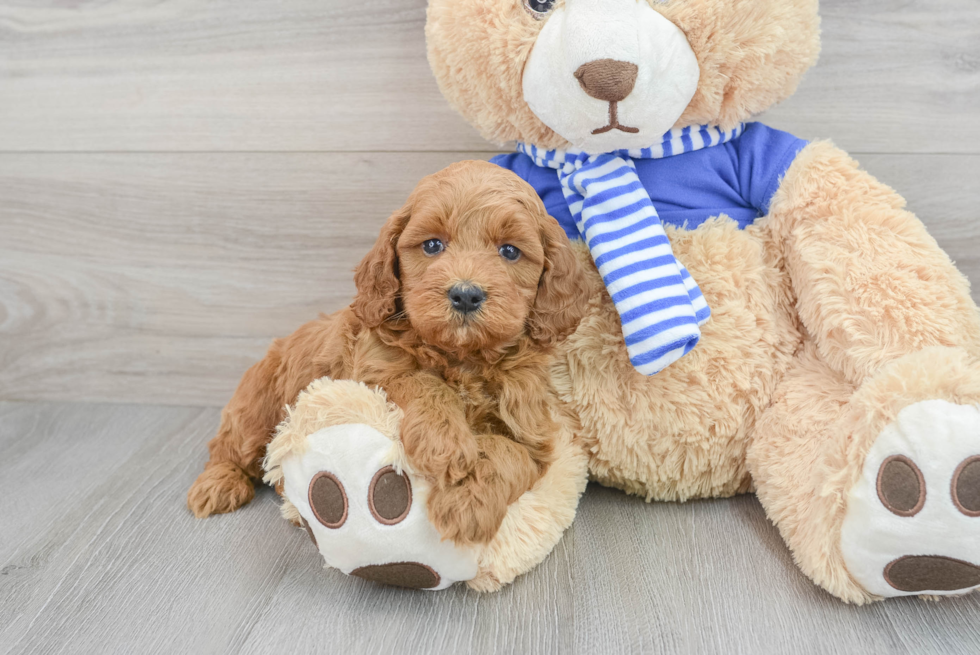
x=99, y=554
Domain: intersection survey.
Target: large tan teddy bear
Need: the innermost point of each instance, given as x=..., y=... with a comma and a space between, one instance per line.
x=765, y=316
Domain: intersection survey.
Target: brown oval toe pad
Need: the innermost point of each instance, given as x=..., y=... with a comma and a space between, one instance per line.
x=328, y=500
x=966, y=486
x=411, y=575
x=901, y=487
x=915, y=573
x=389, y=496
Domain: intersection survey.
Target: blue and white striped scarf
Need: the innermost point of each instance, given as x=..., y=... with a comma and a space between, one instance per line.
x=659, y=303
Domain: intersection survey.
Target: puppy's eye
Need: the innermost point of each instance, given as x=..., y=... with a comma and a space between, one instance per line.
x=539, y=8
x=509, y=252
x=432, y=247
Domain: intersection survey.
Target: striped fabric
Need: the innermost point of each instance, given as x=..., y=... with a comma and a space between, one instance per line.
x=659, y=303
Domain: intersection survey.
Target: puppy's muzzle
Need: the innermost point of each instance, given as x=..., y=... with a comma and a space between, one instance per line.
x=466, y=297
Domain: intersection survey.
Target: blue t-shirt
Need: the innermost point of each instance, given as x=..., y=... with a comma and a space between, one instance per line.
x=738, y=179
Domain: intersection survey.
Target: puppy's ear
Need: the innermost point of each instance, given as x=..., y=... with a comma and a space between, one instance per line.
x=562, y=291
x=376, y=277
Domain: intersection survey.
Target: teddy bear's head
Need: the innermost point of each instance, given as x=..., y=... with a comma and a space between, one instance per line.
x=603, y=75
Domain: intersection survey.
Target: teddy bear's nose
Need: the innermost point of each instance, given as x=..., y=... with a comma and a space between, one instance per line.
x=607, y=79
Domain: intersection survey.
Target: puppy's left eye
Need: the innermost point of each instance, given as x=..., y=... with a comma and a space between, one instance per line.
x=432, y=247
x=509, y=252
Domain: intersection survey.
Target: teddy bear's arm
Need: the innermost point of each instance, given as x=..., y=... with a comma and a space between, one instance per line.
x=872, y=285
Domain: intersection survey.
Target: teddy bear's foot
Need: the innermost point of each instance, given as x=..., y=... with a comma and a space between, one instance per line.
x=366, y=515
x=341, y=467
x=913, y=517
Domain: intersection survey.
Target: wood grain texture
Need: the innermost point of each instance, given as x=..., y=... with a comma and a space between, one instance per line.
x=102, y=556
x=309, y=75
x=160, y=278
x=183, y=180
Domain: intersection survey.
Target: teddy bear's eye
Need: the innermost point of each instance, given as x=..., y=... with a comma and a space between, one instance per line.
x=432, y=247
x=538, y=8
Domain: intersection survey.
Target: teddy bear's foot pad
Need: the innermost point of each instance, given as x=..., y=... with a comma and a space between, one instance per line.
x=919, y=573
x=366, y=514
x=913, y=517
x=410, y=575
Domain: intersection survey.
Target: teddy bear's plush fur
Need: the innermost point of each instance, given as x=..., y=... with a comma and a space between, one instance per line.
x=840, y=332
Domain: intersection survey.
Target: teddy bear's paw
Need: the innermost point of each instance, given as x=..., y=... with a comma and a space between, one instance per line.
x=366, y=515
x=913, y=518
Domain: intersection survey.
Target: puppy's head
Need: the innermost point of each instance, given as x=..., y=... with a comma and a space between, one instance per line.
x=474, y=262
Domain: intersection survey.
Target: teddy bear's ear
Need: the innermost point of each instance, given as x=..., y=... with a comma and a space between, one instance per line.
x=562, y=291
x=376, y=277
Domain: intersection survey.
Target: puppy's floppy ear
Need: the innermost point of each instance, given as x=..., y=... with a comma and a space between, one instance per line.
x=376, y=277
x=562, y=291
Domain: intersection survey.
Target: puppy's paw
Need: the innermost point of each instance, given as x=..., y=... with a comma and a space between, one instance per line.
x=467, y=514
x=442, y=453
x=221, y=488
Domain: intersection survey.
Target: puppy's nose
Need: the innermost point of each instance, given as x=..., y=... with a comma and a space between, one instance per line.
x=466, y=297
x=607, y=79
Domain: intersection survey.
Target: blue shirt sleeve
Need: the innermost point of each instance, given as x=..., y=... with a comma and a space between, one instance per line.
x=515, y=162
x=764, y=156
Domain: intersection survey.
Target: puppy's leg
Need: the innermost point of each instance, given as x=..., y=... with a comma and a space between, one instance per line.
x=471, y=511
x=437, y=437
x=237, y=450
x=249, y=419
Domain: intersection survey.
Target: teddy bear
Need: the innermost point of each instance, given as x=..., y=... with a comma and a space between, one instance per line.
x=764, y=316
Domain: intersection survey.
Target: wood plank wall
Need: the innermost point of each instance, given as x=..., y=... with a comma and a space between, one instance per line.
x=183, y=180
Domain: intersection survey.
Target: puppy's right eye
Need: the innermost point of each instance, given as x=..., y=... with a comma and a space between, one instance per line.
x=432, y=247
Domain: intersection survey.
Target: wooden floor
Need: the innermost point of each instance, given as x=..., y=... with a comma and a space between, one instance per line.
x=183, y=180
x=99, y=554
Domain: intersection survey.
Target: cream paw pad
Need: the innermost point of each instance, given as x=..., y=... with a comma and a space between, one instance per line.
x=913, y=519
x=343, y=475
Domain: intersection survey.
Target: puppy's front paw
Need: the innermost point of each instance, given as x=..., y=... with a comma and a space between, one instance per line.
x=442, y=453
x=221, y=488
x=467, y=513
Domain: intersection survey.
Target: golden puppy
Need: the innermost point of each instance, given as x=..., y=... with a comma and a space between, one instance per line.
x=458, y=305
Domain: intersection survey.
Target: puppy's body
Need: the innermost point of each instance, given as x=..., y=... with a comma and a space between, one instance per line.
x=455, y=328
